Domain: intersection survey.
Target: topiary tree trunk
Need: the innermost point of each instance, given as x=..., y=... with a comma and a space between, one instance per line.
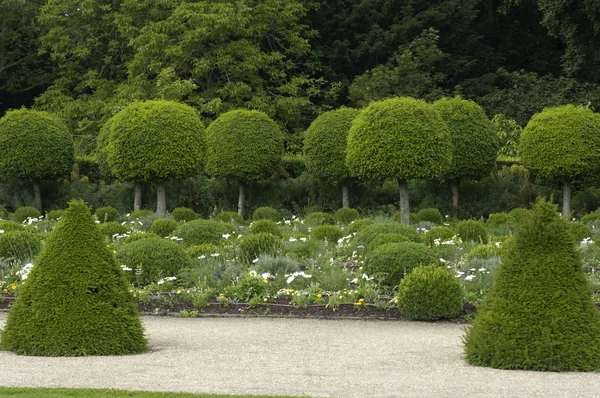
x=37, y=196
x=161, y=199
x=455, y=194
x=242, y=199
x=345, y=196
x=137, y=197
x=567, y=185
x=404, y=205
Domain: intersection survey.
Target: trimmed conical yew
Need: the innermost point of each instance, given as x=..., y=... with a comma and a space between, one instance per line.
x=539, y=314
x=75, y=300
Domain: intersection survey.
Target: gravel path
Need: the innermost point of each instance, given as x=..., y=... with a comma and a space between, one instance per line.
x=319, y=358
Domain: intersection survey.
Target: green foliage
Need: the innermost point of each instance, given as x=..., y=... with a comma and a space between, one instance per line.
x=279, y=265
x=430, y=293
x=205, y=249
x=591, y=217
x=152, y=259
x=34, y=146
x=255, y=245
x=508, y=132
x=498, y=219
x=367, y=234
x=230, y=217
x=7, y=225
x=562, y=142
x=359, y=224
x=383, y=239
x=483, y=252
x=472, y=231
x=345, y=216
x=474, y=139
x=140, y=214
x=518, y=214
x=163, y=227
x=539, y=314
x=140, y=235
x=400, y=138
x=197, y=232
x=325, y=144
x=440, y=234
x=25, y=212
x=331, y=233
x=184, y=214
x=294, y=165
x=112, y=228
x=107, y=214
x=391, y=262
x=55, y=214
x=319, y=218
x=430, y=215
x=20, y=246
x=265, y=226
x=266, y=213
x=156, y=141
x=243, y=145
x=579, y=230
x=76, y=301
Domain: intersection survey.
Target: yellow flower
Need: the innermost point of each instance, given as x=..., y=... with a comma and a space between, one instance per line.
x=22, y=283
x=319, y=295
x=14, y=287
x=179, y=292
x=267, y=281
x=114, y=252
x=5, y=290
x=107, y=245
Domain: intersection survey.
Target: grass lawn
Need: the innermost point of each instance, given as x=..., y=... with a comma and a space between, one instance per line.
x=94, y=393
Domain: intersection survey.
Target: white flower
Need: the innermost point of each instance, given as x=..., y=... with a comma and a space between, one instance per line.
x=292, y=239
x=367, y=277
x=290, y=279
x=472, y=269
x=127, y=215
x=303, y=239
x=201, y=257
x=442, y=260
x=288, y=222
x=459, y=274
x=252, y=273
x=266, y=275
x=255, y=261
x=293, y=217
x=340, y=240
x=123, y=223
x=215, y=255
x=482, y=269
x=469, y=277
x=160, y=282
x=226, y=236
x=1, y=231
x=97, y=222
x=360, y=247
x=125, y=268
x=355, y=280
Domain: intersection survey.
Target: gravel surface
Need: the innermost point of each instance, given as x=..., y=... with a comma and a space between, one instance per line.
x=303, y=357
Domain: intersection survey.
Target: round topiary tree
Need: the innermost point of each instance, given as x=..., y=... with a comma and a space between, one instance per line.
x=325, y=148
x=243, y=146
x=562, y=143
x=155, y=141
x=539, y=314
x=35, y=146
x=399, y=138
x=76, y=301
x=474, y=142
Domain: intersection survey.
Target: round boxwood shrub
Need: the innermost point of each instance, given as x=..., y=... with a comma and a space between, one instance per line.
x=201, y=231
x=7, y=225
x=265, y=226
x=370, y=232
x=76, y=300
x=539, y=314
x=163, y=226
x=345, y=215
x=152, y=259
x=110, y=229
x=19, y=245
x=140, y=235
x=25, y=212
x=184, y=214
x=140, y=214
x=319, y=218
x=252, y=246
x=430, y=293
x=54, y=214
x=359, y=224
x=331, y=233
x=107, y=214
x=431, y=215
x=439, y=235
x=266, y=213
x=382, y=239
x=389, y=263
x=230, y=217
x=205, y=249
x=472, y=230
x=498, y=220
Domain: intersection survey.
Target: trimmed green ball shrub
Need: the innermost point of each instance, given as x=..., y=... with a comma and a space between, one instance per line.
x=25, y=212
x=266, y=213
x=500, y=224
x=265, y=226
x=430, y=293
x=431, y=215
x=201, y=231
x=252, y=246
x=389, y=263
x=7, y=225
x=472, y=231
x=331, y=233
x=437, y=235
x=152, y=259
x=345, y=216
x=184, y=214
x=163, y=227
x=110, y=229
x=76, y=300
x=359, y=224
x=319, y=218
x=383, y=239
x=366, y=235
x=579, y=230
x=107, y=214
x=230, y=217
x=205, y=249
x=54, y=214
x=19, y=245
x=140, y=214
x=140, y=235
x=539, y=314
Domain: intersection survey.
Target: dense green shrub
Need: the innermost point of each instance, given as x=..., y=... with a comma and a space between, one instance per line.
x=25, y=212
x=140, y=235
x=319, y=218
x=483, y=252
x=591, y=217
x=205, y=249
x=7, y=225
x=266, y=213
x=184, y=214
x=200, y=231
x=359, y=224
x=431, y=215
x=54, y=214
x=19, y=245
x=294, y=165
x=107, y=214
x=430, y=293
x=331, y=233
x=500, y=224
x=110, y=229
x=579, y=230
x=163, y=227
x=345, y=215
x=76, y=300
x=152, y=259
x=472, y=231
x=265, y=226
x=518, y=214
x=279, y=265
x=382, y=239
x=140, y=214
x=230, y=217
x=389, y=263
x=439, y=234
x=252, y=246
x=367, y=234
x=538, y=314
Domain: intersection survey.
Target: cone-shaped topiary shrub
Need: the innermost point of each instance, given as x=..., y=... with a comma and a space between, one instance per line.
x=539, y=314
x=75, y=301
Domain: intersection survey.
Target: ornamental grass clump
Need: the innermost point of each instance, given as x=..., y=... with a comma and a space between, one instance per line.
x=75, y=301
x=539, y=314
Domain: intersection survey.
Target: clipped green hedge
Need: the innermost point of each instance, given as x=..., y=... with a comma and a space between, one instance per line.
x=330, y=232
x=265, y=226
x=184, y=214
x=107, y=214
x=201, y=231
x=367, y=234
x=25, y=212
x=163, y=227
x=266, y=213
